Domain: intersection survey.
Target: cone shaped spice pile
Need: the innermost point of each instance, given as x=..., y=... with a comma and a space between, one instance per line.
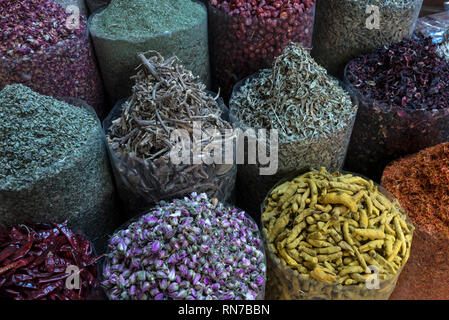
x=311, y=111
x=246, y=36
x=421, y=184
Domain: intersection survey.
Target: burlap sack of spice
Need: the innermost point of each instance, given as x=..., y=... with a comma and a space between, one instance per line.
x=344, y=29
x=141, y=182
x=325, y=150
x=78, y=188
x=117, y=55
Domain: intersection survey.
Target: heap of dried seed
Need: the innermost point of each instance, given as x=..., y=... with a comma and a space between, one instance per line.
x=165, y=97
x=296, y=96
x=190, y=249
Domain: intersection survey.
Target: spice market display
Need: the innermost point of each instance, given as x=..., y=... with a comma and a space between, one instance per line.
x=48, y=52
x=247, y=36
x=224, y=150
x=295, y=88
x=421, y=184
x=127, y=27
x=193, y=248
x=323, y=230
x=166, y=97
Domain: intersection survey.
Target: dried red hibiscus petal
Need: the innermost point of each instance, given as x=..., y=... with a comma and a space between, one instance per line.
x=34, y=260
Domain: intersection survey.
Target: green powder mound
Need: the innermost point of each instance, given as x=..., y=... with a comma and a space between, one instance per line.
x=37, y=132
x=146, y=18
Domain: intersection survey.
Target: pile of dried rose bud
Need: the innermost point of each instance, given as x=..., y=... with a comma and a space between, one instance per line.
x=188, y=249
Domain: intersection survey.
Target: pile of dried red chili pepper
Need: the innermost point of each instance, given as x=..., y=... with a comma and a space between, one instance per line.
x=34, y=261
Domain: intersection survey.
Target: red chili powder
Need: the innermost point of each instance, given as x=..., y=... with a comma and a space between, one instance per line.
x=421, y=184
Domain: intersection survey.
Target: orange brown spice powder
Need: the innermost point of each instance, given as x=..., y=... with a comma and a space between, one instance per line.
x=421, y=184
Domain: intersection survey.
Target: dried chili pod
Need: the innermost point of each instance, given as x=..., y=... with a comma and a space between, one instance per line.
x=38, y=261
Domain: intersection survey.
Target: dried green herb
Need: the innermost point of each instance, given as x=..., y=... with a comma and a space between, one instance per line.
x=53, y=164
x=126, y=27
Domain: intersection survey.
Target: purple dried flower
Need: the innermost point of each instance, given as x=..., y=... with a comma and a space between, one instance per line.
x=163, y=284
x=245, y=262
x=196, y=278
x=173, y=259
x=202, y=269
x=160, y=296
x=183, y=269
x=146, y=286
x=182, y=294
x=150, y=220
x=132, y=290
x=155, y=247
x=173, y=287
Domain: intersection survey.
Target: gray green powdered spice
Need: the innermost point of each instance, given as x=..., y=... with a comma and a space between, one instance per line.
x=128, y=27
x=35, y=131
x=146, y=18
x=53, y=164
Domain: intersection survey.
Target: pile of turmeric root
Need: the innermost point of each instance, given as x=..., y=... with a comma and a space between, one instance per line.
x=336, y=228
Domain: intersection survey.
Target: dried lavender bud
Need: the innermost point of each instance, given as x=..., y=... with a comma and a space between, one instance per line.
x=197, y=272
